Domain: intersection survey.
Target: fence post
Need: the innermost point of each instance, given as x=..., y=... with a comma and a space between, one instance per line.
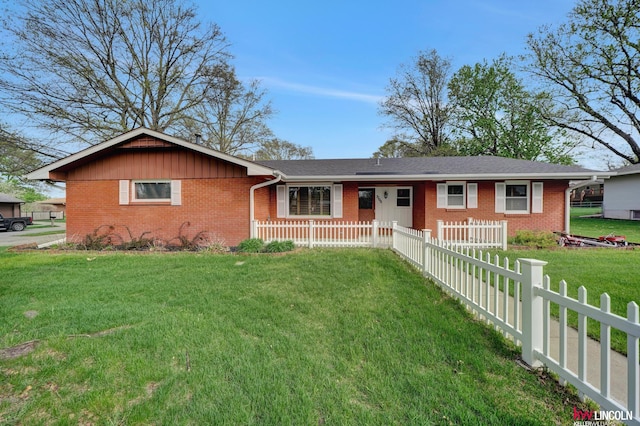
x=439, y=230
x=504, y=235
x=374, y=233
x=311, y=233
x=426, y=252
x=394, y=225
x=532, y=309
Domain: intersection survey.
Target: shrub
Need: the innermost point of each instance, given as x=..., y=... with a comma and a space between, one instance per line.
x=251, y=245
x=538, y=239
x=279, y=246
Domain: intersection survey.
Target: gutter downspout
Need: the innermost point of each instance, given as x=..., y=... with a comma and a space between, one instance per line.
x=567, y=200
x=252, y=191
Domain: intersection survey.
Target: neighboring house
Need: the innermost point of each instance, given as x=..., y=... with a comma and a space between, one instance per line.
x=54, y=205
x=622, y=194
x=10, y=205
x=147, y=181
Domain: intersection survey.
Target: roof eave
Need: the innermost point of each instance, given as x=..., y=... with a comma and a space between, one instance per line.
x=441, y=177
x=253, y=169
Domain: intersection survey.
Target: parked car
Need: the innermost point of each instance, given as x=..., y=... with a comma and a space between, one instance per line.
x=14, y=223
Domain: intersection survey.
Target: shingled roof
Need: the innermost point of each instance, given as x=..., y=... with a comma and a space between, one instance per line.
x=10, y=199
x=628, y=170
x=431, y=168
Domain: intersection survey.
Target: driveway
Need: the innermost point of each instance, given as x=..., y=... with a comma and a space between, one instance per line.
x=30, y=235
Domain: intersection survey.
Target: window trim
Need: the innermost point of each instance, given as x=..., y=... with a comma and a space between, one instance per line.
x=410, y=197
x=526, y=183
x=469, y=195
x=335, y=200
x=127, y=191
x=135, y=199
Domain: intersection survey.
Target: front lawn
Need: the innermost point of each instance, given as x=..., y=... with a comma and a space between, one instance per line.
x=595, y=226
x=312, y=337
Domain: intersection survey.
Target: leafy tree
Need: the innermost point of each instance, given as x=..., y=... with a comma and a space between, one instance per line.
x=88, y=70
x=495, y=115
x=395, y=148
x=415, y=104
x=232, y=117
x=277, y=149
x=591, y=66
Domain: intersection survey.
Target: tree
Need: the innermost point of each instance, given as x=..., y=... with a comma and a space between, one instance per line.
x=495, y=115
x=232, y=118
x=415, y=103
x=88, y=70
x=591, y=65
x=277, y=149
x=17, y=155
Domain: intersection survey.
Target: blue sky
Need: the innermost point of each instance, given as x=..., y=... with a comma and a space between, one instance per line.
x=326, y=64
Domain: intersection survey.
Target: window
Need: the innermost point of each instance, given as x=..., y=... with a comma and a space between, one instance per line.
x=516, y=197
x=309, y=201
x=457, y=195
x=150, y=191
x=519, y=197
x=403, y=197
x=365, y=198
x=320, y=200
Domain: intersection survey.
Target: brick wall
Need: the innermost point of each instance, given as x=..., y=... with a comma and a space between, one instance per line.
x=218, y=206
x=426, y=215
x=551, y=219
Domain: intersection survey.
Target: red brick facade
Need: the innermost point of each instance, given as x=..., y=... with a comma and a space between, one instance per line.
x=215, y=196
x=218, y=206
x=426, y=214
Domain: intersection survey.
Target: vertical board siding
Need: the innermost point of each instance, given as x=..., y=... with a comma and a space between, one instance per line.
x=165, y=164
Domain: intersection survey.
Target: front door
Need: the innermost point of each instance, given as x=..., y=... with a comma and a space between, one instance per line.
x=395, y=203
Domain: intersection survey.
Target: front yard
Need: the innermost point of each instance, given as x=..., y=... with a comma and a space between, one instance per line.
x=311, y=337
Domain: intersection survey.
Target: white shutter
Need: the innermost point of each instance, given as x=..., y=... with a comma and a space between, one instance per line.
x=281, y=202
x=472, y=195
x=441, y=202
x=176, y=192
x=500, y=197
x=536, y=197
x=124, y=192
x=337, y=200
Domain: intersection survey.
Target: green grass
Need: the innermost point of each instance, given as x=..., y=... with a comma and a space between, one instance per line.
x=599, y=270
x=313, y=337
x=595, y=227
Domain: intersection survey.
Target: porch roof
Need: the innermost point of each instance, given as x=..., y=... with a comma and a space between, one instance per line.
x=428, y=168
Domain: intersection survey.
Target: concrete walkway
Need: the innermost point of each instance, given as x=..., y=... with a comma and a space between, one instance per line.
x=618, y=362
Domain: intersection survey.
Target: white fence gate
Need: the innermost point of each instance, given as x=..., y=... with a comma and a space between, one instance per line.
x=484, y=286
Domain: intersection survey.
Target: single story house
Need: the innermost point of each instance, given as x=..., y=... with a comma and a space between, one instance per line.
x=54, y=204
x=10, y=205
x=153, y=183
x=622, y=194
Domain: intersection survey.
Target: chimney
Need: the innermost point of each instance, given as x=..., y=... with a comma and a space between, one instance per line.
x=198, y=139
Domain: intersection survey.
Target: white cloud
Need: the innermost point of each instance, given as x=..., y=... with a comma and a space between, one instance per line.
x=320, y=91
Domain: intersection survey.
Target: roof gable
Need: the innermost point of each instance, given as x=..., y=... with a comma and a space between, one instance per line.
x=143, y=138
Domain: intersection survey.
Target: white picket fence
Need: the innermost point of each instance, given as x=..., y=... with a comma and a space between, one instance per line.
x=474, y=233
x=312, y=233
x=319, y=233
x=484, y=286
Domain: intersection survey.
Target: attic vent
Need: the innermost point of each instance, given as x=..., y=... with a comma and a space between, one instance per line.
x=198, y=139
